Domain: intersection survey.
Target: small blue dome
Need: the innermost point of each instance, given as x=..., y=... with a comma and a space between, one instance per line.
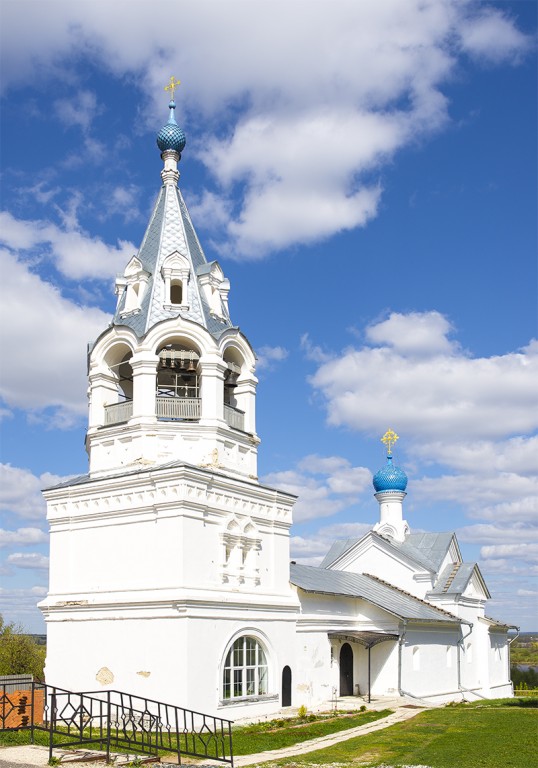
x=171, y=136
x=390, y=478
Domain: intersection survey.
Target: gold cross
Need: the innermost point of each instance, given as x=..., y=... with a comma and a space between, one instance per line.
x=389, y=438
x=172, y=86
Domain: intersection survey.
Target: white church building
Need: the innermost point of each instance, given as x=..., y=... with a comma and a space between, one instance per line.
x=170, y=575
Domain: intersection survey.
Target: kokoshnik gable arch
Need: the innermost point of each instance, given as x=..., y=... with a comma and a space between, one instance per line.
x=169, y=561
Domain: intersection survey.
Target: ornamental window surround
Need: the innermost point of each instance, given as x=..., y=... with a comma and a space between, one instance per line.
x=245, y=672
x=132, y=285
x=241, y=548
x=175, y=272
x=215, y=289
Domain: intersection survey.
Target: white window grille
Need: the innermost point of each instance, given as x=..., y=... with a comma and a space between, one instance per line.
x=245, y=670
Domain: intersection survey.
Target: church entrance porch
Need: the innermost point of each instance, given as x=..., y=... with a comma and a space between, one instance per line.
x=357, y=673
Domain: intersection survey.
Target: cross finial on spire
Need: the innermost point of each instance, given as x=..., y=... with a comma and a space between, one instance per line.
x=172, y=85
x=389, y=438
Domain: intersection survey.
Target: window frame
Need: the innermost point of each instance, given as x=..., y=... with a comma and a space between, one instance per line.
x=245, y=672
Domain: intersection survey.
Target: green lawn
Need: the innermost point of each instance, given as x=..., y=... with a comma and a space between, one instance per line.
x=462, y=736
x=250, y=739
x=247, y=739
x=489, y=734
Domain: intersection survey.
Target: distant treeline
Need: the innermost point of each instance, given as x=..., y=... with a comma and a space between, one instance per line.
x=524, y=650
x=39, y=639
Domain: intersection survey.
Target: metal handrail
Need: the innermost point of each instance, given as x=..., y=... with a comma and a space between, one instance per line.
x=115, y=719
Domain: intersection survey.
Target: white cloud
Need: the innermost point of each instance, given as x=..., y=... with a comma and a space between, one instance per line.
x=314, y=352
x=76, y=254
x=515, y=455
x=24, y=536
x=268, y=356
x=310, y=550
x=34, y=310
x=417, y=334
x=19, y=605
x=494, y=535
x=324, y=485
x=492, y=36
x=442, y=393
x=20, y=494
x=325, y=100
x=522, y=551
x=478, y=490
x=79, y=109
x=29, y=560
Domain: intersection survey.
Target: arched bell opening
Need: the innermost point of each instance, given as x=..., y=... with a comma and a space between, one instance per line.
x=178, y=382
x=234, y=414
x=118, y=405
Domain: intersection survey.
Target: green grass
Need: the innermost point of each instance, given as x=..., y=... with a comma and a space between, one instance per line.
x=18, y=738
x=250, y=739
x=487, y=734
x=484, y=735
x=247, y=739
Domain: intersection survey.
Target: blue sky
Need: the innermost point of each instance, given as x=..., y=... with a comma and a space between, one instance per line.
x=366, y=174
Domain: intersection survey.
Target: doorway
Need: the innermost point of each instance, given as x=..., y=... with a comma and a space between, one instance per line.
x=286, y=687
x=346, y=670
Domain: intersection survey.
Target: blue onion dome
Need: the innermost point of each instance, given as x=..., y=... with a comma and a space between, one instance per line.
x=171, y=136
x=390, y=478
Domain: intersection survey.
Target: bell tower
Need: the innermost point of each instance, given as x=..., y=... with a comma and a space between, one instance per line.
x=169, y=549
x=172, y=378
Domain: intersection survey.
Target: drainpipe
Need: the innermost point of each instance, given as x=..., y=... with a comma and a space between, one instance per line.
x=459, y=647
x=400, y=646
x=510, y=641
x=369, y=675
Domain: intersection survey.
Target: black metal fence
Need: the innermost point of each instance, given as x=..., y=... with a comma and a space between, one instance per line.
x=115, y=721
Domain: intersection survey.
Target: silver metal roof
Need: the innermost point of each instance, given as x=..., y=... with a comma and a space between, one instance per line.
x=426, y=549
x=170, y=229
x=371, y=589
x=336, y=550
x=496, y=624
x=455, y=577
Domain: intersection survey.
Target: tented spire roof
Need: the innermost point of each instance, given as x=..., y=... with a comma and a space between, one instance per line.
x=170, y=248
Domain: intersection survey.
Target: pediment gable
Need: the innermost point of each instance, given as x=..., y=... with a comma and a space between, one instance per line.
x=476, y=586
x=133, y=267
x=463, y=579
x=373, y=548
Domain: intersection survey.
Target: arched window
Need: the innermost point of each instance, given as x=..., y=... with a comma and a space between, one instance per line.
x=245, y=670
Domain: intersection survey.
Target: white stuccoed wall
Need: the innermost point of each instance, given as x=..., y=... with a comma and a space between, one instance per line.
x=138, y=584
